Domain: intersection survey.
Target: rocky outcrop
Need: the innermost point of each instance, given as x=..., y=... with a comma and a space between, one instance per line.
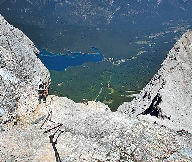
x=167, y=98
x=75, y=132
x=20, y=71
x=62, y=130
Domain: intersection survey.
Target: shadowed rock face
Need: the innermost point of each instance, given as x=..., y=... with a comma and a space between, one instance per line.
x=20, y=71
x=172, y=84
x=62, y=130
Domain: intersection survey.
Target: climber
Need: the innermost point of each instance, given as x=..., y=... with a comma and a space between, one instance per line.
x=40, y=85
x=85, y=101
x=46, y=88
x=43, y=91
x=40, y=92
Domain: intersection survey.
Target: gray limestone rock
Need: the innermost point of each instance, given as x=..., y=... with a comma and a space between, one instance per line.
x=75, y=132
x=20, y=70
x=62, y=130
x=167, y=98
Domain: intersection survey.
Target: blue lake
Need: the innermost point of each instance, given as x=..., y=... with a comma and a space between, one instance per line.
x=59, y=62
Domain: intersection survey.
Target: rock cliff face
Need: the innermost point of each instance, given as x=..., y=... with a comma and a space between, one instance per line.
x=62, y=130
x=167, y=98
x=20, y=71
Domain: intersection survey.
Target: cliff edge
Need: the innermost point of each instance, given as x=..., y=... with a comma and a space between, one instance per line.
x=20, y=72
x=62, y=130
x=167, y=98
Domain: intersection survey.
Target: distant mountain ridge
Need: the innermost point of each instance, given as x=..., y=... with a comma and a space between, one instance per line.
x=98, y=13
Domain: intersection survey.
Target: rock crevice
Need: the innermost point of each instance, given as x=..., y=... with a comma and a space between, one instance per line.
x=173, y=83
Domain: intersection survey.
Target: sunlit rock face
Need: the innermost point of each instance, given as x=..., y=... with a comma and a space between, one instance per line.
x=20, y=71
x=62, y=130
x=126, y=32
x=167, y=98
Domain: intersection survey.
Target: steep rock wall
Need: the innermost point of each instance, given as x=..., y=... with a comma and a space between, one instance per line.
x=167, y=98
x=62, y=130
x=20, y=72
